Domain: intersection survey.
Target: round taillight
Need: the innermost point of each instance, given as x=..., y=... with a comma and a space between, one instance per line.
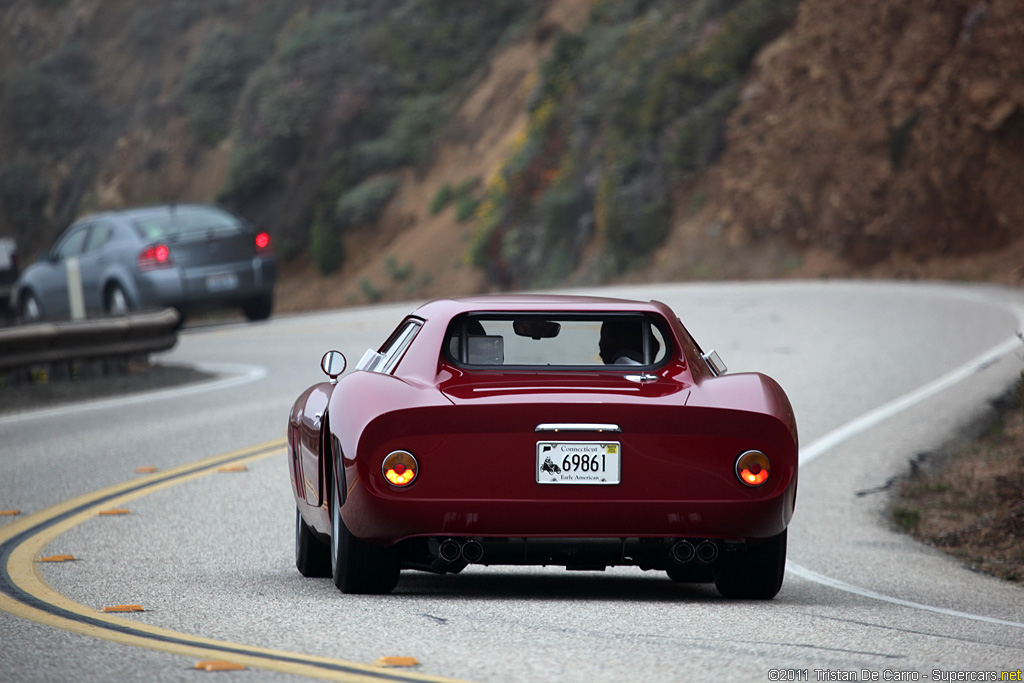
x=400, y=468
x=155, y=256
x=753, y=468
x=262, y=240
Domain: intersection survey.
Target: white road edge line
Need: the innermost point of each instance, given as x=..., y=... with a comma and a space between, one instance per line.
x=237, y=374
x=872, y=418
x=887, y=410
x=805, y=573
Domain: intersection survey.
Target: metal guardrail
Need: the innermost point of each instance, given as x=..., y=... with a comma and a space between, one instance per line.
x=36, y=344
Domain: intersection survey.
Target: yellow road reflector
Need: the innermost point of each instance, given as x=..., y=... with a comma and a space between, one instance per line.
x=57, y=558
x=124, y=608
x=145, y=470
x=113, y=511
x=233, y=468
x=397, y=661
x=9, y=513
x=219, y=665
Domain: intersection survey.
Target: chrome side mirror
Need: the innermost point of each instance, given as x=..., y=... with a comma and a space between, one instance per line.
x=333, y=364
x=715, y=363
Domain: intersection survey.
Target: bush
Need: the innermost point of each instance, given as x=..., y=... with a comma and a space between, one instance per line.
x=212, y=83
x=253, y=168
x=325, y=31
x=325, y=247
x=364, y=203
x=441, y=199
x=49, y=111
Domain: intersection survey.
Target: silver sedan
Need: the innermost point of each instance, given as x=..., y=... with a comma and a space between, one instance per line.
x=188, y=256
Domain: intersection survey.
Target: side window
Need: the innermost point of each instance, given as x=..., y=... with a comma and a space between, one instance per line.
x=385, y=360
x=98, y=236
x=72, y=242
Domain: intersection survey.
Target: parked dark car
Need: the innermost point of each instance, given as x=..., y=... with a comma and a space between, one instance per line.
x=8, y=272
x=187, y=256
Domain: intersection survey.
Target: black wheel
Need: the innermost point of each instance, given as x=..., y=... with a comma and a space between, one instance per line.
x=358, y=566
x=116, y=300
x=754, y=573
x=28, y=307
x=258, y=308
x=312, y=556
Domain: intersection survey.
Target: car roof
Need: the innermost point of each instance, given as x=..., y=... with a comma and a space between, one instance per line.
x=156, y=210
x=535, y=303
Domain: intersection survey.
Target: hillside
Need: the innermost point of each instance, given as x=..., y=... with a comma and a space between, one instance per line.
x=404, y=149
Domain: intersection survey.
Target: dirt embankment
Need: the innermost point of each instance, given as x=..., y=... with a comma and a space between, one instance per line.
x=885, y=138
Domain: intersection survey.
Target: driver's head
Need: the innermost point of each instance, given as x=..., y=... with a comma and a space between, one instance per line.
x=619, y=338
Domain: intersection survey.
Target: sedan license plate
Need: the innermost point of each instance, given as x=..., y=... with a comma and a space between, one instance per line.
x=222, y=282
x=578, y=462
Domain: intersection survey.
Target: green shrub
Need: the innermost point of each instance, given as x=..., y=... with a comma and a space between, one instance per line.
x=364, y=203
x=253, y=168
x=325, y=31
x=372, y=294
x=442, y=198
x=151, y=25
x=410, y=135
x=48, y=111
x=325, y=247
x=398, y=272
x=212, y=83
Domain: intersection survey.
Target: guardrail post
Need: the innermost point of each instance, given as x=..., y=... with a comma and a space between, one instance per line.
x=76, y=297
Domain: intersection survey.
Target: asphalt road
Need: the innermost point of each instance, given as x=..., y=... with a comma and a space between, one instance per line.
x=878, y=374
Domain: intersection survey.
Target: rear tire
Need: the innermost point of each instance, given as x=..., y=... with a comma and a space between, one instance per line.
x=358, y=566
x=259, y=307
x=29, y=307
x=754, y=573
x=116, y=301
x=312, y=556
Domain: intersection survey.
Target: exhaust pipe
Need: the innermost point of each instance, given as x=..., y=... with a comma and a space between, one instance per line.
x=472, y=551
x=449, y=550
x=707, y=552
x=683, y=552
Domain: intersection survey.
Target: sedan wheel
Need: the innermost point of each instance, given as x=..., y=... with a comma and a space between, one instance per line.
x=754, y=573
x=117, y=301
x=357, y=566
x=312, y=556
x=30, y=310
x=258, y=308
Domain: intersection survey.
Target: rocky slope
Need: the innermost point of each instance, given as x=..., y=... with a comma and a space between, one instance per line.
x=878, y=138
x=884, y=138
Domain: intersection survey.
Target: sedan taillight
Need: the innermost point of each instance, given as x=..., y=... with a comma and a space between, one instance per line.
x=156, y=256
x=262, y=241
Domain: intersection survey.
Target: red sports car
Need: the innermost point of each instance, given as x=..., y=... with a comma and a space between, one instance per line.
x=543, y=430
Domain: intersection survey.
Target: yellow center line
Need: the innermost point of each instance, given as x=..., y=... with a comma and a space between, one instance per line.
x=24, y=592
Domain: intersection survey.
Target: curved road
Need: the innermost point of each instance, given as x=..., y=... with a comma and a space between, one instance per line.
x=878, y=373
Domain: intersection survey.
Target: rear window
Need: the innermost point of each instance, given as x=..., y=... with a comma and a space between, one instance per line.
x=562, y=340
x=188, y=221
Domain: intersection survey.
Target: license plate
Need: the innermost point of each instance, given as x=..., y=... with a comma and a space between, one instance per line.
x=578, y=462
x=221, y=282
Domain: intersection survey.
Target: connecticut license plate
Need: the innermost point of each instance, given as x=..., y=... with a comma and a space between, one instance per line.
x=578, y=462
x=221, y=282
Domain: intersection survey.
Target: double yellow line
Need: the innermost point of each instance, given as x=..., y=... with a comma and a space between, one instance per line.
x=24, y=592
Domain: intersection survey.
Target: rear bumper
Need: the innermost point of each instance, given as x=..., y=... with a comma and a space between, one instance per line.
x=209, y=286
x=390, y=520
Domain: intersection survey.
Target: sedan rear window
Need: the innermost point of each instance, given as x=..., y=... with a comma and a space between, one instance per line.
x=184, y=222
x=561, y=340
